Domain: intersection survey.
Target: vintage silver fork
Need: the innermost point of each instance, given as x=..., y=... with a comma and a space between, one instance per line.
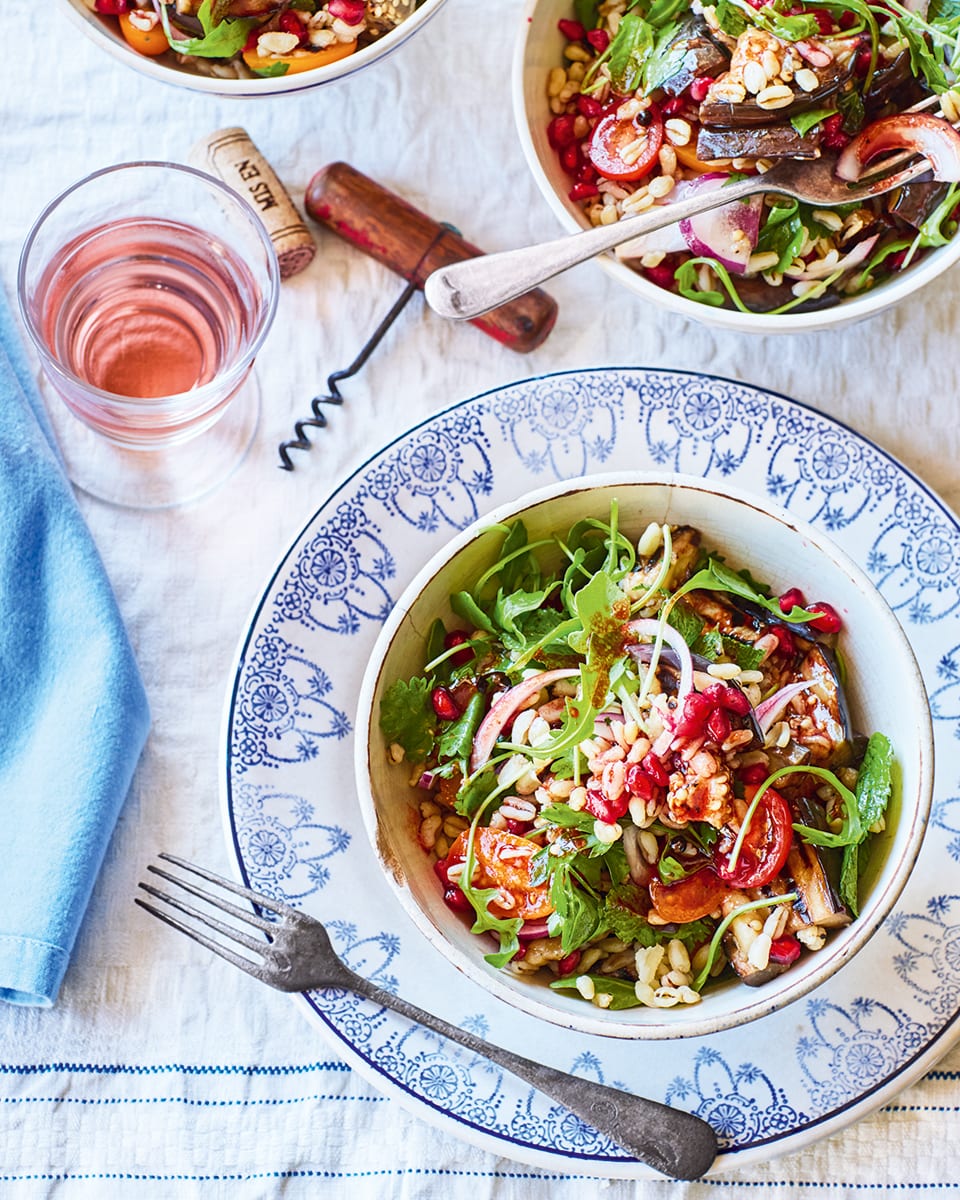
x=467, y=289
x=297, y=956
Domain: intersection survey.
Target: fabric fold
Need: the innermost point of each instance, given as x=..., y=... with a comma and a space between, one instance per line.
x=73, y=711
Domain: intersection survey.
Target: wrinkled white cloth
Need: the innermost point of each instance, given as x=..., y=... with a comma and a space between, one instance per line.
x=161, y=1071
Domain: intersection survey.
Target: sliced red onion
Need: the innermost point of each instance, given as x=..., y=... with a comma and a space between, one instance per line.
x=728, y=234
x=350, y=12
x=933, y=137
x=505, y=706
x=532, y=929
x=649, y=628
x=770, y=710
x=426, y=781
x=820, y=270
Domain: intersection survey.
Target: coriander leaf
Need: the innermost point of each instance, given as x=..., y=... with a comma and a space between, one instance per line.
x=793, y=29
x=622, y=992
x=407, y=717
x=671, y=870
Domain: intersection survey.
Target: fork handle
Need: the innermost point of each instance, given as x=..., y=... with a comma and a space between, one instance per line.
x=673, y=1142
x=466, y=289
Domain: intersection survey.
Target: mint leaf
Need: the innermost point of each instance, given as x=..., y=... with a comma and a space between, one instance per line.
x=803, y=122
x=874, y=780
x=746, y=656
x=688, y=623
x=407, y=717
x=628, y=52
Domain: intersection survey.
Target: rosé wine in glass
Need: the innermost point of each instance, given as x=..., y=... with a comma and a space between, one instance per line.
x=148, y=289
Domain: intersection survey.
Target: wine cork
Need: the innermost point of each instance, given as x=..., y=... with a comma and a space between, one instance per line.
x=231, y=155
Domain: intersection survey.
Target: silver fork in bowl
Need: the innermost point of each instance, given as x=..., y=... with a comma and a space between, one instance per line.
x=296, y=956
x=470, y=288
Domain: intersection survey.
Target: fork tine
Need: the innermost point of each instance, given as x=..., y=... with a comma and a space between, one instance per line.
x=242, y=914
x=257, y=898
x=230, y=931
x=237, y=959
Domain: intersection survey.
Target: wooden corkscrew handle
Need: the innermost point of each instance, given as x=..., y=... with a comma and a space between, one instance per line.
x=389, y=229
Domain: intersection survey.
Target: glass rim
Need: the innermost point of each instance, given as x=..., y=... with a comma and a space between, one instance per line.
x=239, y=368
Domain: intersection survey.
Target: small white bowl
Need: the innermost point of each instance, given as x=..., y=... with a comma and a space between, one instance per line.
x=106, y=33
x=539, y=48
x=885, y=692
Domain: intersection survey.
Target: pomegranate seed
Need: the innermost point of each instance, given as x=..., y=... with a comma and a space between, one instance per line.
x=599, y=39
x=289, y=22
x=755, y=773
x=783, y=635
x=695, y=712
x=673, y=107
x=521, y=952
x=718, y=725
x=518, y=827
x=847, y=19
x=785, y=949
x=444, y=704
x=250, y=45
x=455, y=899
x=583, y=191
x=113, y=8
x=586, y=174
x=350, y=12
x=573, y=31
x=832, y=135
x=567, y=966
x=638, y=782
x=829, y=619
x=699, y=88
x=570, y=159
x=725, y=695
x=588, y=106
x=792, y=598
x=756, y=3
x=560, y=131
x=456, y=637
x=896, y=261
x=662, y=275
x=653, y=767
x=605, y=809
x=823, y=19
x=861, y=64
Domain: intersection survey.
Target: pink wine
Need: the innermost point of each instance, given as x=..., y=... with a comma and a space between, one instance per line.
x=147, y=308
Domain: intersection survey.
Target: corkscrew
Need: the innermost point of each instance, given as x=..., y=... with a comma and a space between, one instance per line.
x=413, y=245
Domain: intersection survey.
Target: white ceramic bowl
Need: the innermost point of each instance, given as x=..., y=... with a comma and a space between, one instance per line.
x=106, y=33
x=539, y=48
x=885, y=693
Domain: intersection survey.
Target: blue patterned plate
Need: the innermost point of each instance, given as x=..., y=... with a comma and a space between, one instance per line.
x=297, y=834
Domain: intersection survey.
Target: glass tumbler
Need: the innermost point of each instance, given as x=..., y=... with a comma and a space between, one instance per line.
x=148, y=289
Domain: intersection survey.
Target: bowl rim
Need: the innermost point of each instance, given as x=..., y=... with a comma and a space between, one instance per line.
x=88, y=21
x=855, y=309
x=525, y=999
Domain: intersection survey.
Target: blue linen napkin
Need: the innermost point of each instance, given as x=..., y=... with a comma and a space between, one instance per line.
x=73, y=712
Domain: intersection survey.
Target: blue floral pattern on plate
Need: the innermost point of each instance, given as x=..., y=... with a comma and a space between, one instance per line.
x=780, y=1082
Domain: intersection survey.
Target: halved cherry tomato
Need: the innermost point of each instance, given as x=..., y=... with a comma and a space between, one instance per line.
x=765, y=847
x=299, y=60
x=149, y=42
x=611, y=137
x=690, y=898
x=510, y=874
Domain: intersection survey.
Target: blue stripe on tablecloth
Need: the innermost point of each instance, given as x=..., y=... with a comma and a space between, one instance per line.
x=422, y=1172
x=168, y=1068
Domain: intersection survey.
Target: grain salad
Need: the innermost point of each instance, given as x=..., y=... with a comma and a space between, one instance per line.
x=635, y=766
x=655, y=100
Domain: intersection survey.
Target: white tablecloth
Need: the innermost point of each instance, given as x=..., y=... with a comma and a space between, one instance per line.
x=161, y=1071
